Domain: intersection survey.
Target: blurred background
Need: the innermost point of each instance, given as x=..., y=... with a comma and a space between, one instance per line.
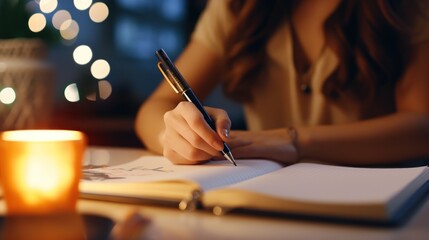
x=88, y=65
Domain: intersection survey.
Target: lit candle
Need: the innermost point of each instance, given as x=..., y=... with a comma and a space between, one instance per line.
x=40, y=170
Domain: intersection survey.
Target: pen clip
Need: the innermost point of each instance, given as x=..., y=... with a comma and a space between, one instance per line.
x=168, y=76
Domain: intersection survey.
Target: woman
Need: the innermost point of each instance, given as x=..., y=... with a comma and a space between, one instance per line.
x=344, y=82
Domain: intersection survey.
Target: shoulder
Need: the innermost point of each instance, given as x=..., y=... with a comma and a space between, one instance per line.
x=214, y=25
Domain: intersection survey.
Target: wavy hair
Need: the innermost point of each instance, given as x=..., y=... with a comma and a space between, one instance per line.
x=369, y=36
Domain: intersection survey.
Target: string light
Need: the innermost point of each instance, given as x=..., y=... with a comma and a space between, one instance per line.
x=82, y=54
x=69, y=30
x=37, y=22
x=82, y=4
x=98, y=12
x=105, y=89
x=71, y=93
x=91, y=97
x=48, y=6
x=60, y=17
x=100, y=69
x=7, y=95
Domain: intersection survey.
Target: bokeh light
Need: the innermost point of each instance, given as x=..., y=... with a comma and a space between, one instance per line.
x=92, y=97
x=82, y=4
x=37, y=22
x=105, y=89
x=100, y=69
x=60, y=17
x=82, y=54
x=7, y=95
x=48, y=6
x=69, y=29
x=98, y=12
x=71, y=93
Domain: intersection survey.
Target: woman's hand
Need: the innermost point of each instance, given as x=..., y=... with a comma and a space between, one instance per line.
x=274, y=144
x=188, y=139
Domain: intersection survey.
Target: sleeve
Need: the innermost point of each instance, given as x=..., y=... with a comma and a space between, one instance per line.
x=213, y=26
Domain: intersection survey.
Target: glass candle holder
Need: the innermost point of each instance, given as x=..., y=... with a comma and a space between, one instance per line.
x=40, y=170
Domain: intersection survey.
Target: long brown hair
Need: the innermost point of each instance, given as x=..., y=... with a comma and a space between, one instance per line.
x=367, y=35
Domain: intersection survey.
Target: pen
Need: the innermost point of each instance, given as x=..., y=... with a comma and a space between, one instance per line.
x=180, y=86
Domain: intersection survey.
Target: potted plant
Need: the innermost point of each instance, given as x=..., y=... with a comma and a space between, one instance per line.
x=26, y=80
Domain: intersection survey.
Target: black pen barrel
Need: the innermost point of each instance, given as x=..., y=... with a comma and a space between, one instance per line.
x=189, y=95
x=176, y=80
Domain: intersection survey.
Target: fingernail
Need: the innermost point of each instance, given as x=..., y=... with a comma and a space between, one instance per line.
x=226, y=133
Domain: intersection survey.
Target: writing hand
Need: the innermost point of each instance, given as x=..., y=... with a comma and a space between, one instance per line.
x=188, y=139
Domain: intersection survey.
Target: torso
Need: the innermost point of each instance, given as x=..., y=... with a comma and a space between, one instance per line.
x=307, y=23
x=278, y=100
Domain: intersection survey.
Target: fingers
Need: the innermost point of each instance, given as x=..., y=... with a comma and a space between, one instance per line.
x=182, y=134
x=197, y=123
x=222, y=121
x=188, y=139
x=178, y=146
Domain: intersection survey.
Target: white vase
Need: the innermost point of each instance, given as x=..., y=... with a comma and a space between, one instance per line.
x=24, y=72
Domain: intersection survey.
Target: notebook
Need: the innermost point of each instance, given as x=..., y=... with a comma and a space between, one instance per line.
x=308, y=189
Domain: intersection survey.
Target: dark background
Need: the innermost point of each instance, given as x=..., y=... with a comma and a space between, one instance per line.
x=127, y=40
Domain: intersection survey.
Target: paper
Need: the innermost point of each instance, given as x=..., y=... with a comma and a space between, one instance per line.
x=333, y=184
x=155, y=168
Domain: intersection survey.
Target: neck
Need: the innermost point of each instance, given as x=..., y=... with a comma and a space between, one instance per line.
x=308, y=18
x=315, y=12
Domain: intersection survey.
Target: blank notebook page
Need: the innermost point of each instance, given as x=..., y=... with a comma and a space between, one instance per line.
x=325, y=183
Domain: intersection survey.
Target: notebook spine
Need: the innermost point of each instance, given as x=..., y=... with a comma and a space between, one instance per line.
x=191, y=202
x=220, y=211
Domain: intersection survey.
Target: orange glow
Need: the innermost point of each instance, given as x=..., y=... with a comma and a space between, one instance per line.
x=43, y=176
x=41, y=170
x=41, y=135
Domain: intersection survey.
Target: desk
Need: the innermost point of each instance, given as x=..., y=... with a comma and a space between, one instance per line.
x=170, y=223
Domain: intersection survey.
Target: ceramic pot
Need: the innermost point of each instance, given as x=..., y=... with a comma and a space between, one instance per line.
x=26, y=85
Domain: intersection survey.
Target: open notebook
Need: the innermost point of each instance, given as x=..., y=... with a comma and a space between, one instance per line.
x=307, y=189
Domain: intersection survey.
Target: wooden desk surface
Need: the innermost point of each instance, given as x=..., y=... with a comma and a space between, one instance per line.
x=170, y=223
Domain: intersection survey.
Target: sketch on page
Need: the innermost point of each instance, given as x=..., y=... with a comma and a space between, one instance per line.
x=158, y=168
x=109, y=173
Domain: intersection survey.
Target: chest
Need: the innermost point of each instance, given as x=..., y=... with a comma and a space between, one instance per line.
x=307, y=28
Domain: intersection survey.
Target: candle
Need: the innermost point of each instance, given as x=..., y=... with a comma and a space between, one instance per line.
x=40, y=170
